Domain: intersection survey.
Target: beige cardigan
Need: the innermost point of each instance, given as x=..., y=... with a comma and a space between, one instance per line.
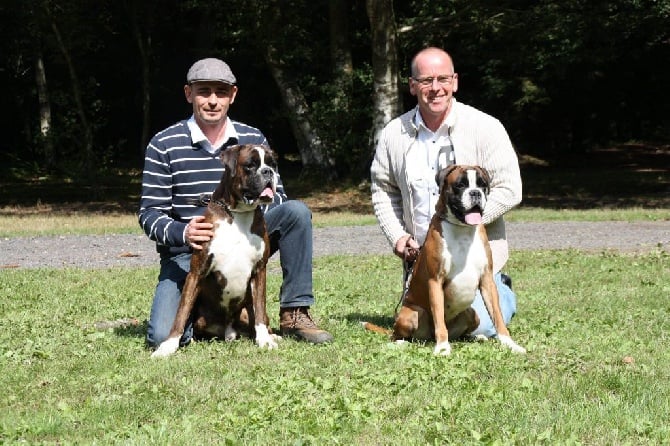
x=478, y=139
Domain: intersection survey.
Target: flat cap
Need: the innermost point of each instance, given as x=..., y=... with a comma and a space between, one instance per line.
x=210, y=69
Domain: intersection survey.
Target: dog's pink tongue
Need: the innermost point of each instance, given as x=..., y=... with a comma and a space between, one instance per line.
x=473, y=218
x=267, y=192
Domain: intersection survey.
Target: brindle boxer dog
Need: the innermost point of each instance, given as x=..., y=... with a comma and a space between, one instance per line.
x=224, y=292
x=453, y=263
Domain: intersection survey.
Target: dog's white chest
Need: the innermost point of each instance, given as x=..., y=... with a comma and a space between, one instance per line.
x=236, y=251
x=464, y=263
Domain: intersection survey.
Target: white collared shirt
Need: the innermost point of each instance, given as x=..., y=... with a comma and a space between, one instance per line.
x=198, y=137
x=430, y=152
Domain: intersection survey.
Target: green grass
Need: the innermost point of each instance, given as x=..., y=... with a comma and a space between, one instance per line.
x=533, y=214
x=597, y=372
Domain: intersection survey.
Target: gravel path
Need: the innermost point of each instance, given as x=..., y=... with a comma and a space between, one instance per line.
x=137, y=250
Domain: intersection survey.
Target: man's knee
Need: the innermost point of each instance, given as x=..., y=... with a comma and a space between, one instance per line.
x=156, y=335
x=159, y=331
x=507, y=302
x=297, y=212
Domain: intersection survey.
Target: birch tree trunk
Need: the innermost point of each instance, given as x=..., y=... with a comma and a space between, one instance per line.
x=87, y=132
x=143, y=41
x=44, y=110
x=340, y=50
x=312, y=150
x=386, y=102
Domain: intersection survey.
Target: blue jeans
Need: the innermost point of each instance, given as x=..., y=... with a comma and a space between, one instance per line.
x=290, y=229
x=507, y=308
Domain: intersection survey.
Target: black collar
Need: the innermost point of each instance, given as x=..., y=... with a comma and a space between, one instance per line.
x=205, y=199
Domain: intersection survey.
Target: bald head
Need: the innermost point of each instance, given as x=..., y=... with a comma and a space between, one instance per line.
x=430, y=55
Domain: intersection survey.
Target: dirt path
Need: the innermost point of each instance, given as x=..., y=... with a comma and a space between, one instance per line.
x=138, y=250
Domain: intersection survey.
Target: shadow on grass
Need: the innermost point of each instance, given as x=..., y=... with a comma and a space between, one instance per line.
x=132, y=331
x=382, y=321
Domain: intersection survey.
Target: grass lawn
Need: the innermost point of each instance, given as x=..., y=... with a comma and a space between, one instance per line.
x=597, y=372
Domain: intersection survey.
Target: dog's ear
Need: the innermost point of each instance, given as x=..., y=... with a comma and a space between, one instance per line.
x=443, y=173
x=270, y=157
x=229, y=159
x=485, y=177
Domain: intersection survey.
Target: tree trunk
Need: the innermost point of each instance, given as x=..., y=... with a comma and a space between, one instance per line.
x=386, y=103
x=87, y=161
x=340, y=50
x=312, y=150
x=44, y=110
x=143, y=41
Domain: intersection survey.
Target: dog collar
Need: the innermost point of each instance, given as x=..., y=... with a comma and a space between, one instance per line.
x=206, y=199
x=223, y=204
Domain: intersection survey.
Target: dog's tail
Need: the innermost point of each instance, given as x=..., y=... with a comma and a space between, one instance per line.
x=376, y=328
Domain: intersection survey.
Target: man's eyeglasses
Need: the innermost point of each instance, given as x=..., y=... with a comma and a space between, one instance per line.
x=428, y=81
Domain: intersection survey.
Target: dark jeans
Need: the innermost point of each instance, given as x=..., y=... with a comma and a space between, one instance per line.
x=290, y=229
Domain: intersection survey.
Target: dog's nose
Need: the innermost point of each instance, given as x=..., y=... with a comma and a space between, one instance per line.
x=266, y=171
x=475, y=194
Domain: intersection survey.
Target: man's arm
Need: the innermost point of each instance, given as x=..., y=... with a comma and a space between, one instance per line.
x=386, y=194
x=156, y=201
x=500, y=160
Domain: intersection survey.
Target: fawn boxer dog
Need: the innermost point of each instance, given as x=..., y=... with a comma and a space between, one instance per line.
x=454, y=261
x=224, y=292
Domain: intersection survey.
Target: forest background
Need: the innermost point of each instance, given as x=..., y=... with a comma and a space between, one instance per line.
x=88, y=83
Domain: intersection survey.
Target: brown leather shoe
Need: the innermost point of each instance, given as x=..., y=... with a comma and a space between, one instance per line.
x=297, y=322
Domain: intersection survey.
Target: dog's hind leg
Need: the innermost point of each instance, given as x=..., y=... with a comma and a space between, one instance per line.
x=463, y=323
x=412, y=322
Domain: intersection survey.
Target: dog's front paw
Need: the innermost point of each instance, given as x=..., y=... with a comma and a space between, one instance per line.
x=442, y=349
x=167, y=347
x=509, y=343
x=230, y=333
x=264, y=339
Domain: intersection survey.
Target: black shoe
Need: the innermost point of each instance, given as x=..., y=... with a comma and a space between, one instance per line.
x=507, y=280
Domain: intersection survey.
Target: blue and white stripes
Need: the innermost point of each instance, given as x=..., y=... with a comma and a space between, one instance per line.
x=176, y=171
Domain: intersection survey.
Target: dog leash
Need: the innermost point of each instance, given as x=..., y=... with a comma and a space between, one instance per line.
x=408, y=268
x=407, y=276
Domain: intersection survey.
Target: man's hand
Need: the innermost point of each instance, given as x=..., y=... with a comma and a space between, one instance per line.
x=198, y=232
x=406, y=248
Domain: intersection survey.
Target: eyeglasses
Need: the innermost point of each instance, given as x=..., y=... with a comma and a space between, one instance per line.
x=445, y=79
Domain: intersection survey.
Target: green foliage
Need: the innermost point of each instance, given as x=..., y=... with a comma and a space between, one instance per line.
x=594, y=374
x=571, y=69
x=563, y=76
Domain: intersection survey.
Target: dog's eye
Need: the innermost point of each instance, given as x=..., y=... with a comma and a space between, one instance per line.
x=461, y=184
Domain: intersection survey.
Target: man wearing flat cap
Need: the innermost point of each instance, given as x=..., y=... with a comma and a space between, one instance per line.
x=183, y=162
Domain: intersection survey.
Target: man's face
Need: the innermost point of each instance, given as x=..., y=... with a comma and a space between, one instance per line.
x=434, y=84
x=210, y=100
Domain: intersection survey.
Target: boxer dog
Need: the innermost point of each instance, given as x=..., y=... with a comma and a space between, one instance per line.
x=454, y=261
x=224, y=292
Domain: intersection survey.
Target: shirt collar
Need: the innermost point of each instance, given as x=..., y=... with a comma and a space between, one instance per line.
x=449, y=121
x=199, y=138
